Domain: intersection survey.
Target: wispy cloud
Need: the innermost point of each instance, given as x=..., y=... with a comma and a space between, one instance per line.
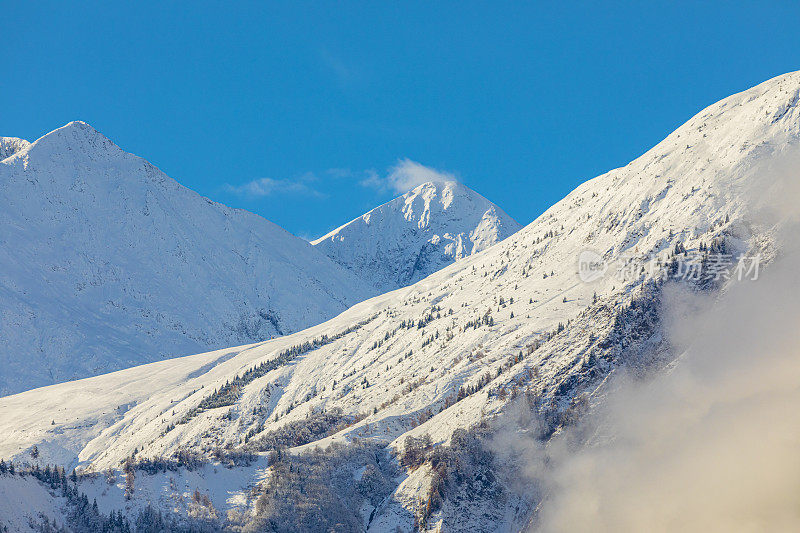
x=345, y=74
x=398, y=179
x=404, y=176
x=261, y=187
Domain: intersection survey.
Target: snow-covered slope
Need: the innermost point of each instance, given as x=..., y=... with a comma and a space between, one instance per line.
x=452, y=350
x=106, y=263
x=413, y=236
x=23, y=501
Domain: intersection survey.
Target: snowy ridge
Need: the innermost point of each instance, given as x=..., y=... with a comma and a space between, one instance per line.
x=108, y=263
x=414, y=235
x=451, y=350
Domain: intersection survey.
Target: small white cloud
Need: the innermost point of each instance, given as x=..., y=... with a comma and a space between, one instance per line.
x=406, y=175
x=262, y=187
x=372, y=180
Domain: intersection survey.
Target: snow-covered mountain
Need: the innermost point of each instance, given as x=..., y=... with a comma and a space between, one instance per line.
x=106, y=263
x=426, y=370
x=413, y=236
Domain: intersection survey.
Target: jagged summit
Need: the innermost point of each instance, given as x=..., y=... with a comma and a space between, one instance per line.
x=414, y=235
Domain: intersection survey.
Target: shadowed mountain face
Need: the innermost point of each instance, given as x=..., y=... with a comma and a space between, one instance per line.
x=413, y=236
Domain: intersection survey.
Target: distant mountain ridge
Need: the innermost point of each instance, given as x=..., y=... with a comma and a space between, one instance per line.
x=417, y=234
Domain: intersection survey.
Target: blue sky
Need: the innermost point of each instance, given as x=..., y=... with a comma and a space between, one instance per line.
x=310, y=113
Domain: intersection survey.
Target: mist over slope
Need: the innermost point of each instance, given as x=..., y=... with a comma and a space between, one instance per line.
x=427, y=371
x=711, y=443
x=409, y=238
x=107, y=263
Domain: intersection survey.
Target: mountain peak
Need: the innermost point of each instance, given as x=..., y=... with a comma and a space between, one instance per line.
x=79, y=125
x=445, y=193
x=76, y=129
x=103, y=248
x=74, y=138
x=435, y=185
x=418, y=233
